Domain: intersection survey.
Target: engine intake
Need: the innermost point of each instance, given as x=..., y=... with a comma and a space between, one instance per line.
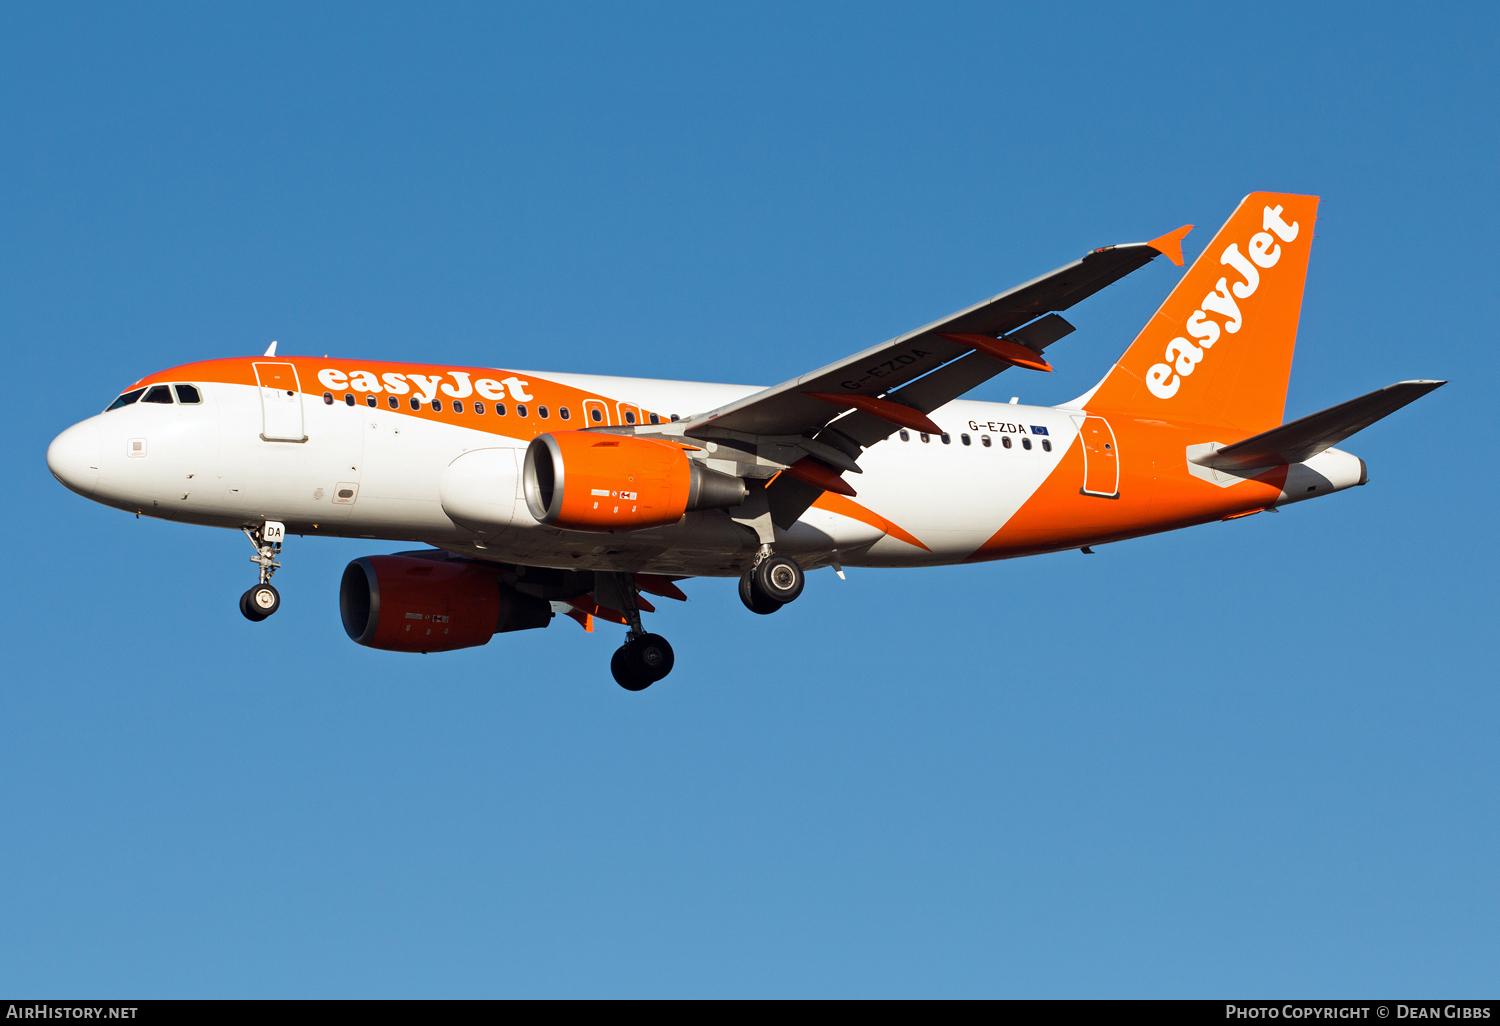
x=407, y=604
x=590, y=481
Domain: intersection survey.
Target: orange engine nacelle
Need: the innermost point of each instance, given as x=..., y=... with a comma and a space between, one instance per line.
x=592, y=481
x=403, y=604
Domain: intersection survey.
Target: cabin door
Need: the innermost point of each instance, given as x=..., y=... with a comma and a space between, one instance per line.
x=280, y=402
x=1101, y=459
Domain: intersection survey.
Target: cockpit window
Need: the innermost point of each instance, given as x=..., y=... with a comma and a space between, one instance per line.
x=158, y=394
x=188, y=394
x=124, y=400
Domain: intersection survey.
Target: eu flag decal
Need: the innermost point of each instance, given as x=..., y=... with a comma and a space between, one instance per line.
x=1037, y=429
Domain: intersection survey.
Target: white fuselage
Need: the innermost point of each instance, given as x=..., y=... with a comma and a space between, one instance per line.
x=376, y=472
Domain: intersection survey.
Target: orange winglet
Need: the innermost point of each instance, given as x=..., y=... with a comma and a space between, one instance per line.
x=886, y=410
x=584, y=619
x=656, y=584
x=821, y=476
x=1170, y=244
x=1002, y=349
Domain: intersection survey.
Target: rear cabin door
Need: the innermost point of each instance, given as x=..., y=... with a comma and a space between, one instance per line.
x=1101, y=459
x=280, y=402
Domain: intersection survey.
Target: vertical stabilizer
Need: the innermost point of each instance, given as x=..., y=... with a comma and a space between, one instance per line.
x=1219, y=350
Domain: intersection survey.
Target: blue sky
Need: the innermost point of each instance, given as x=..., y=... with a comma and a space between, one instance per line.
x=1255, y=758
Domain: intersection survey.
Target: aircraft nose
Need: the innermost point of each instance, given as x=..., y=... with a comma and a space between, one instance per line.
x=73, y=457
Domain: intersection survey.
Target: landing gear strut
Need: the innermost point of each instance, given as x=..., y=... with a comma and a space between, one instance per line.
x=263, y=600
x=771, y=583
x=645, y=658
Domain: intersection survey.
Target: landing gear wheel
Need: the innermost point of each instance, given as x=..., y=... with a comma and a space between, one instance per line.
x=641, y=662
x=779, y=578
x=260, y=602
x=756, y=600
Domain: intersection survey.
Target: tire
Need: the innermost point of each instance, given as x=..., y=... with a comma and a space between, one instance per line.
x=779, y=579
x=251, y=613
x=641, y=662
x=263, y=600
x=755, y=600
x=625, y=671
x=653, y=655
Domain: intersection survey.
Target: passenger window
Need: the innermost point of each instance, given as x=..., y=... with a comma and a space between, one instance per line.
x=965, y=439
x=1025, y=443
x=124, y=400
x=655, y=419
x=520, y=409
x=158, y=394
x=394, y=403
x=984, y=440
x=541, y=411
x=458, y=407
x=905, y=436
x=946, y=437
x=675, y=418
x=371, y=401
x=479, y=409
x=630, y=416
x=924, y=436
x=188, y=395
x=499, y=409
x=1046, y=445
x=327, y=398
x=416, y=404
x=437, y=406
x=348, y=398
x=595, y=415
x=563, y=413
x=1005, y=441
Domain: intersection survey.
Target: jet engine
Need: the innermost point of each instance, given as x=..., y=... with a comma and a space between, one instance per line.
x=405, y=604
x=591, y=481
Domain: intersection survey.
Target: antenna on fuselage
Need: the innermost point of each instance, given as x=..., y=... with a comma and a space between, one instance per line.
x=271, y=350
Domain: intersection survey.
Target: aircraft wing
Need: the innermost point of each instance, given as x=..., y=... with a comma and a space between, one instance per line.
x=788, y=409
x=1304, y=438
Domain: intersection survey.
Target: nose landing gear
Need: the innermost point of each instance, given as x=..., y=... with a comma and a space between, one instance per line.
x=771, y=583
x=645, y=658
x=263, y=600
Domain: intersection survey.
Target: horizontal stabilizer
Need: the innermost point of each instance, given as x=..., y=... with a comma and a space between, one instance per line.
x=1303, y=439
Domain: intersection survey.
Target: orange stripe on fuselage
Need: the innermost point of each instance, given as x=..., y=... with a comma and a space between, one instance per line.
x=1156, y=493
x=835, y=503
x=542, y=393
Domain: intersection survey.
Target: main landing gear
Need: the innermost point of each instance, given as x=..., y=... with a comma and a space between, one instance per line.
x=771, y=583
x=263, y=600
x=645, y=658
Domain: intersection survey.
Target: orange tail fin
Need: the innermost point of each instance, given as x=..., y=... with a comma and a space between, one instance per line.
x=1219, y=351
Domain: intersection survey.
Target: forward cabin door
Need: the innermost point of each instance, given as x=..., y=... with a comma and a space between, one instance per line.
x=280, y=402
x=1101, y=459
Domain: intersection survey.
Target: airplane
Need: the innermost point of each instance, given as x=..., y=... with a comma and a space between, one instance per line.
x=544, y=493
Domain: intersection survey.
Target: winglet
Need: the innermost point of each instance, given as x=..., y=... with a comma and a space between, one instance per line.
x=1170, y=244
x=271, y=350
